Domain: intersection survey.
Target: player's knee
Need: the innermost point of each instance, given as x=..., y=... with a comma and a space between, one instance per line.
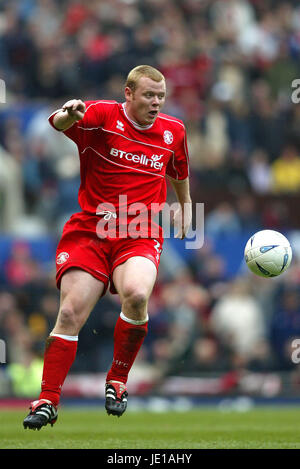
x=135, y=300
x=67, y=318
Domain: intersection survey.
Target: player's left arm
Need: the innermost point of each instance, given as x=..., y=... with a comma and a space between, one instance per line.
x=182, y=218
x=178, y=174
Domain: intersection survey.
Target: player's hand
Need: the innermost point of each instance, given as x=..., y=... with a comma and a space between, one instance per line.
x=182, y=220
x=75, y=108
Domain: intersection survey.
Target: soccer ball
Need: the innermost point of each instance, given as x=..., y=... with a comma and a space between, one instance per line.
x=268, y=253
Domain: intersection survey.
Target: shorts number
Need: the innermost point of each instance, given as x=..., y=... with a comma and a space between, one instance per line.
x=157, y=248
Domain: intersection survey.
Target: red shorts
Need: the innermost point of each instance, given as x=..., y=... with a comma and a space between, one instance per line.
x=80, y=247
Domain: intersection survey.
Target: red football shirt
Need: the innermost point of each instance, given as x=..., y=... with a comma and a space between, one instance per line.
x=120, y=158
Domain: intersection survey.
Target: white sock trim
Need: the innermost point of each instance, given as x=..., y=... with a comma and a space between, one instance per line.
x=131, y=321
x=72, y=338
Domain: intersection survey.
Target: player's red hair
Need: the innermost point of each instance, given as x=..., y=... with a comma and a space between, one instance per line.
x=142, y=71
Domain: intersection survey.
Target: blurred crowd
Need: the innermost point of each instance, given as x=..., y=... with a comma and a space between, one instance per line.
x=231, y=69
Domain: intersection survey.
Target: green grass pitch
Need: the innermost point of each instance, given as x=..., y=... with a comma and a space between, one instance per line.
x=85, y=428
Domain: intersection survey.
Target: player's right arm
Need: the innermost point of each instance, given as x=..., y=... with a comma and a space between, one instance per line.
x=72, y=111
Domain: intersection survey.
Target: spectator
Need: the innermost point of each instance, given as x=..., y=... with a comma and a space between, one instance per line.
x=222, y=221
x=237, y=321
x=286, y=171
x=285, y=326
x=21, y=268
x=25, y=374
x=248, y=214
x=259, y=172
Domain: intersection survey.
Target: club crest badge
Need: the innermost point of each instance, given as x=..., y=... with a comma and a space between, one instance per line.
x=168, y=137
x=62, y=257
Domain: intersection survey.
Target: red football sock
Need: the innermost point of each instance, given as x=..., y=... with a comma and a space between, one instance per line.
x=60, y=352
x=128, y=339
